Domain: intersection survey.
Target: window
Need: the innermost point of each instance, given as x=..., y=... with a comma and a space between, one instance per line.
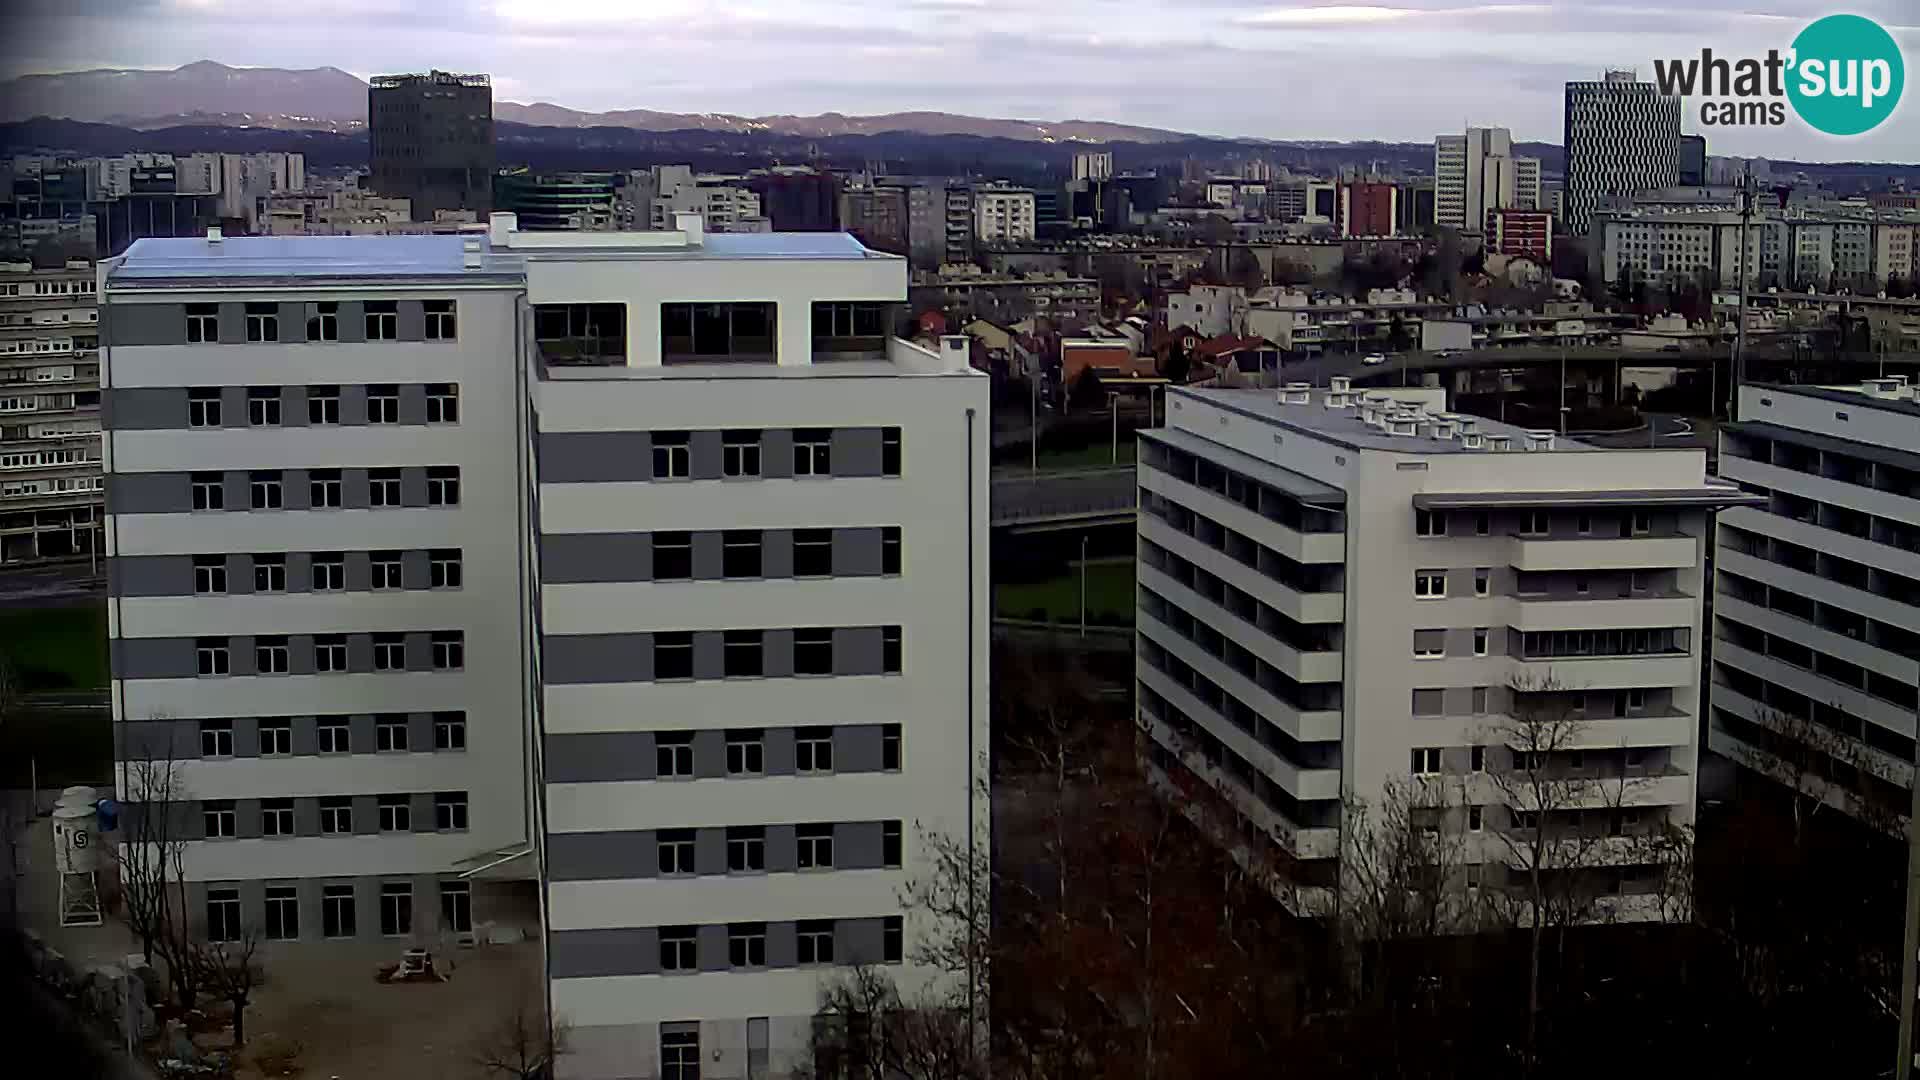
x=276, y=737
x=203, y=323
x=450, y=811
x=673, y=655
x=384, y=569
x=893, y=939
x=269, y=573
x=1479, y=701
x=743, y=654
x=396, y=813
x=740, y=553
x=1430, y=584
x=1640, y=523
x=383, y=487
x=383, y=404
x=336, y=815
x=440, y=320
x=1635, y=757
x=443, y=485
x=218, y=817
x=203, y=408
x=390, y=733
x=1581, y=584
x=745, y=753
x=890, y=844
x=890, y=747
x=449, y=650
x=449, y=731
x=672, y=460
x=1426, y=761
x=672, y=556
x=216, y=738
x=747, y=945
x=335, y=735
x=383, y=320
x=1475, y=819
x=680, y=1054
x=1480, y=635
x=209, y=491
x=890, y=549
x=1482, y=581
x=443, y=403
x=263, y=489
x=209, y=575
x=330, y=653
x=1534, y=523
x=813, y=452
x=813, y=750
x=812, y=552
x=396, y=906
x=443, y=568
x=1430, y=523
x=1583, y=524
x=1482, y=523
x=746, y=849
x=263, y=406
x=223, y=914
x=283, y=913
x=815, y=942
x=210, y=655
x=323, y=405
x=890, y=451
x=713, y=332
x=323, y=489
x=673, y=755
x=740, y=453
x=336, y=911
x=815, y=846
x=1636, y=581
x=324, y=323
x=890, y=650
x=1429, y=644
x=456, y=907
x=676, y=852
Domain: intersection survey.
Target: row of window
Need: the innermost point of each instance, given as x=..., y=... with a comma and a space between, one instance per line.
x=742, y=553
x=281, y=918
x=746, y=752
x=747, y=950
x=743, y=653
x=380, y=321
x=273, y=655
x=740, y=453
x=36, y=459
x=1438, y=523
x=1241, y=548
x=59, y=485
x=1432, y=644
x=328, y=573
x=266, y=488
x=265, y=405
x=1428, y=761
x=747, y=849
x=220, y=818
x=334, y=735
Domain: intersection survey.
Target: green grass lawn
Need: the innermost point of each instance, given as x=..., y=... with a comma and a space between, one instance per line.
x=56, y=748
x=62, y=648
x=1110, y=596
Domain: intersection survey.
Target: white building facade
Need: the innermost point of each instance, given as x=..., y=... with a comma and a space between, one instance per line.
x=1003, y=215
x=49, y=413
x=1622, y=136
x=1478, y=172
x=1341, y=591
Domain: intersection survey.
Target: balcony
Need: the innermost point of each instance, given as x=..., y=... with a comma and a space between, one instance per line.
x=581, y=335
x=719, y=333
x=1300, y=606
x=1608, y=553
x=1297, y=664
x=1298, y=781
x=1615, y=613
x=1609, y=672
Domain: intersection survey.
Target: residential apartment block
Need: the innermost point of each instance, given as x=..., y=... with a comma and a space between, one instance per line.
x=1477, y=173
x=49, y=413
x=626, y=587
x=1342, y=590
x=1816, y=652
x=1003, y=215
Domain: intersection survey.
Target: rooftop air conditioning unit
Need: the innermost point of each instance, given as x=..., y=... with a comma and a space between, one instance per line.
x=1296, y=393
x=1444, y=428
x=1471, y=440
x=1468, y=425
x=1499, y=443
x=1402, y=425
x=1539, y=440
x=1340, y=384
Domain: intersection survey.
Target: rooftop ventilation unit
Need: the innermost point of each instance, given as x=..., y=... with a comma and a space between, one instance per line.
x=1444, y=427
x=1468, y=425
x=1339, y=399
x=1499, y=443
x=1539, y=440
x=1471, y=440
x=1340, y=384
x=1402, y=425
x=213, y=234
x=1296, y=393
x=1881, y=388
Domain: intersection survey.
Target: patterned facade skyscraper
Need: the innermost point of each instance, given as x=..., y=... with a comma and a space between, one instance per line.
x=1622, y=136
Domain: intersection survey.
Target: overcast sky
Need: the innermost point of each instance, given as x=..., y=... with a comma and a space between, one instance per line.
x=1303, y=69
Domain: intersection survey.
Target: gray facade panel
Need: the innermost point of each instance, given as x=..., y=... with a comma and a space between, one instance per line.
x=568, y=558
x=857, y=941
x=585, y=457
x=179, y=739
x=857, y=650
x=413, y=399
x=239, y=574
x=155, y=658
x=419, y=651
x=294, y=490
x=597, y=658
x=237, y=495
x=299, y=571
x=708, y=551
x=300, y=654
x=306, y=819
x=777, y=751
x=360, y=726
x=422, y=800
x=857, y=846
x=776, y=553
x=143, y=324
x=600, y=756
x=856, y=552
x=776, y=653
x=246, y=736
x=782, y=945
x=712, y=945
x=709, y=654
x=710, y=851
x=420, y=735
x=353, y=326
x=358, y=571
x=413, y=327
x=149, y=493
x=366, y=814
x=246, y=818
x=293, y=322
x=783, y=851
x=856, y=452
x=233, y=406
x=306, y=735
x=709, y=755
x=415, y=569
x=150, y=575
x=776, y=453
x=355, y=492
x=293, y=406
x=703, y=452
x=602, y=856
x=233, y=324
x=353, y=404
x=143, y=408
x=413, y=486
x=586, y=954
x=856, y=748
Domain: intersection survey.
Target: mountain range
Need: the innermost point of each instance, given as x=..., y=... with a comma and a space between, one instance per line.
x=328, y=99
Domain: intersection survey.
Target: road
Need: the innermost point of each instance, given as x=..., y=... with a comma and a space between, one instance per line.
x=57, y=585
x=1019, y=496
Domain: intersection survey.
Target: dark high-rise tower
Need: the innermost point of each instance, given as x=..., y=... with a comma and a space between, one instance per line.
x=1622, y=137
x=432, y=140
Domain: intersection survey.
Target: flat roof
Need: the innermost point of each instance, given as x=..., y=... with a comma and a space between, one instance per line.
x=1345, y=427
x=714, y=245
x=1886, y=455
x=195, y=260
x=1849, y=395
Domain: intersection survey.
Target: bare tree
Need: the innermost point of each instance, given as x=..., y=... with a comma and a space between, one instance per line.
x=866, y=1030
x=1402, y=862
x=148, y=856
x=1821, y=769
x=229, y=971
x=520, y=1044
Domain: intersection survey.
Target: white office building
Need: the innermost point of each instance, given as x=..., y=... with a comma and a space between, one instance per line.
x=1339, y=590
x=1622, y=137
x=630, y=587
x=1817, y=594
x=1478, y=172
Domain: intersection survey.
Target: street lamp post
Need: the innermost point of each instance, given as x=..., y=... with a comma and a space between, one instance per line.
x=1083, y=584
x=1113, y=399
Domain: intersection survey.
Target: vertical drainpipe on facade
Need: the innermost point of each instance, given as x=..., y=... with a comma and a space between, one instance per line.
x=973, y=828
x=536, y=789
x=116, y=702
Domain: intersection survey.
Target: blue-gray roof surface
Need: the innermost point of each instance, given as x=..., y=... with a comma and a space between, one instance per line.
x=292, y=257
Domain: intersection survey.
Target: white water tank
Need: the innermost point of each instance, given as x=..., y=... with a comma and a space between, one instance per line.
x=79, y=795
x=76, y=841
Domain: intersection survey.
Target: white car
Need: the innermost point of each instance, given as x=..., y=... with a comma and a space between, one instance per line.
x=1374, y=358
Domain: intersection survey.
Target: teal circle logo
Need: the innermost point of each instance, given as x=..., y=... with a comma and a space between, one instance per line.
x=1847, y=74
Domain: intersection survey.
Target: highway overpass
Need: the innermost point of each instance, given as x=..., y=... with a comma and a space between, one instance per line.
x=1041, y=502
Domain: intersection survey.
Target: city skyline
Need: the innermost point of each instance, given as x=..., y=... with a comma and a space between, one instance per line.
x=1501, y=64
